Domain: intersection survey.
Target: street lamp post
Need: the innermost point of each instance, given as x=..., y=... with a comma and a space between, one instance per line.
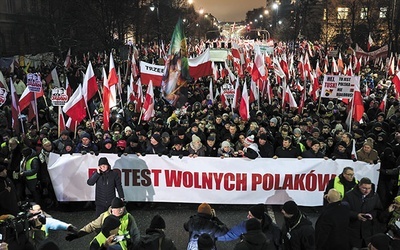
x=155, y=7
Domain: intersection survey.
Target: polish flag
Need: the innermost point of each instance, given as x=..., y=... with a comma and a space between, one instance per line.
x=139, y=95
x=370, y=42
x=382, y=105
x=289, y=98
x=253, y=92
x=112, y=73
x=349, y=71
x=130, y=93
x=201, y=65
x=67, y=62
x=358, y=105
x=236, y=96
x=14, y=109
x=396, y=82
x=335, y=69
x=61, y=122
x=244, y=111
x=357, y=66
x=215, y=71
x=106, y=102
x=26, y=98
x=258, y=71
x=134, y=67
x=340, y=64
x=54, y=76
x=75, y=107
x=71, y=124
x=318, y=71
x=89, y=86
x=232, y=76
x=148, y=105
x=314, y=90
x=211, y=91
x=68, y=87
x=391, y=68
x=151, y=73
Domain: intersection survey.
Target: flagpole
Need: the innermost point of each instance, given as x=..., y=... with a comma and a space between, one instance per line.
x=59, y=113
x=90, y=116
x=37, y=115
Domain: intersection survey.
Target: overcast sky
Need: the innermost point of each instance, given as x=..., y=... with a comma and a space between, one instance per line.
x=228, y=10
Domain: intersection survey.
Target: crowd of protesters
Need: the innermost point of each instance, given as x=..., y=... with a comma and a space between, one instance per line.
x=205, y=128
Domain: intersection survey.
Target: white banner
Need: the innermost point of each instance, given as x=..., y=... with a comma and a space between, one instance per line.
x=335, y=86
x=205, y=179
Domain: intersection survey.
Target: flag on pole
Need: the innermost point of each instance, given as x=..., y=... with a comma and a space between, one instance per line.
x=201, y=65
x=236, y=96
x=148, y=105
x=258, y=71
x=370, y=42
x=382, y=105
x=253, y=92
x=89, y=86
x=106, y=102
x=3, y=83
x=396, y=82
x=112, y=74
x=75, y=107
x=26, y=98
x=174, y=82
x=61, y=121
x=211, y=91
x=14, y=109
x=358, y=105
x=54, y=76
x=67, y=62
x=244, y=111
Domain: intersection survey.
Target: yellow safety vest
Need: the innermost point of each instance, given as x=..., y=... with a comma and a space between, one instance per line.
x=122, y=230
x=28, y=167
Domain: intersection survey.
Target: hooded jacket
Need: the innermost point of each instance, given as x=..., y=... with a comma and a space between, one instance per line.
x=152, y=240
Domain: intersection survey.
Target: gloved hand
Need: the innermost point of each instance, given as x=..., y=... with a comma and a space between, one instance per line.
x=73, y=236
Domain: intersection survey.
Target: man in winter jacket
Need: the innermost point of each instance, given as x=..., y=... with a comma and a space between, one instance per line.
x=107, y=236
x=106, y=181
x=27, y=175
x=343, y=182
x=331, y=228
x=365, y=207
x=155, y=238
x=128, y=226
x=254, y=239
x=268, y=227
x=297, y=231
x=205, y=221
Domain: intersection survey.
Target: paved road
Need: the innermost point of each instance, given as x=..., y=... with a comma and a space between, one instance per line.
x=174, y=215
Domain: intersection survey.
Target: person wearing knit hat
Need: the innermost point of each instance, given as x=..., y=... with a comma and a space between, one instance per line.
x=314, y=151
x=196, y=147
x=257, y=211
x=155, y=237
x=250, y=149
x=254, y=238
x=379, y=241
x=205, y=220
x=86, y=145
x=367, y=153
x=331, y=225
x=107, y=236
x=297, y=230
x=106, y=181
x=226, y=150
x=156, y=146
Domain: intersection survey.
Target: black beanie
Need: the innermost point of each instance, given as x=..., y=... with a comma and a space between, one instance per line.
x=205, y=242
x=257, y=211
x=117, y=203
x=103, y=161
x=290, y=207
x=380, y=241
x=110, y=222
x=26, y=152
x=48, y=244
x=157, y=222
x=2, y=167
x=253, y=224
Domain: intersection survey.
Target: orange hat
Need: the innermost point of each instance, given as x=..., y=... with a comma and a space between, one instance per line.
x=204, y=208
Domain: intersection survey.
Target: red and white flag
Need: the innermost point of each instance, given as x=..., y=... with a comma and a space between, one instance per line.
x=289, y=98
x=396, y=82
x=148, y=105
x=211, y=91
x=54, y=76
x=244, y=111
x=382, y=105
x=106, y=102
x=89, y=86
x=151, y=72
x=75, y=107
x=134, y=67
x=112, y=73
x=67, y=62
x=201, y=65
x=232, y=76
x=224, y=101
x=26, y=98
x=357, y=105
x=335, y=69
x=258, y=71
x=236, y=96
x=130, y=92
x=61, y=122
x=14, y=109
x=215, y=71
x=253, y=92
x=68, y=87
x=370, y=42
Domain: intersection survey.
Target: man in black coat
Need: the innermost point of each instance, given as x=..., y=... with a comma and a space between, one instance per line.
x=254, y=239
x=287, y=150
x=331, y=228
x=365, y=207
x=297, y=231
x=106, y=181
x=8, y=194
